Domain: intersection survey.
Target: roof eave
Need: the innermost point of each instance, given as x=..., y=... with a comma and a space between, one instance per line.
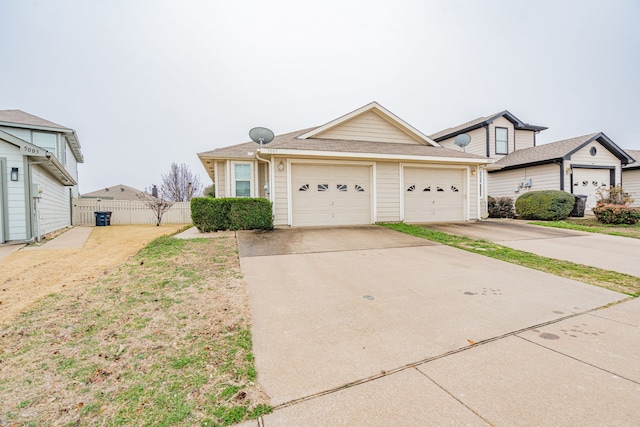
x=355, y=155
x=528, y=164
x=35, y=127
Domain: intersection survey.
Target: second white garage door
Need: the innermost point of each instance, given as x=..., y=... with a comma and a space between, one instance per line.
x=330, y=195
x=433, y=195
x=588, y=181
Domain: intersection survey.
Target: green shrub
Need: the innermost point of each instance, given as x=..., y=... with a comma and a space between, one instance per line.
x=500, y=207
x=548, y=205
x=209, y=214
x=616, y=214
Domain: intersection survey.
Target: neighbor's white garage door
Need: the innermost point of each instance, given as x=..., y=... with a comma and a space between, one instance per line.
x=588, y=181
x=330, y=195
x=433, y=195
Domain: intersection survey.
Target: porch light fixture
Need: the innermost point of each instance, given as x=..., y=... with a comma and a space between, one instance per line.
x=473, y=171
x=280, y=166
x=14, y=174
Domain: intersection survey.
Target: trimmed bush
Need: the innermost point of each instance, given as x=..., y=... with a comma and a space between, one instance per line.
x=616, y=214
x=500, y=207
x=209, y=214
x=547, y=205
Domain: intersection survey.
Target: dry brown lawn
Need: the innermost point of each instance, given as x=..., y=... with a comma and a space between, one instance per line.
x=159, y=336
x=26, y=275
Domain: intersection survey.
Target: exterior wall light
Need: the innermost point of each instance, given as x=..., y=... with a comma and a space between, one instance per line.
x=473, y=171
x=14, y=174
x=280, y=166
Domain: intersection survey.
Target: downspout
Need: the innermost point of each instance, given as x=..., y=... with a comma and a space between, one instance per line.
x=486, y=127
x=256, y=155
x=270, y=182
x=561, y=164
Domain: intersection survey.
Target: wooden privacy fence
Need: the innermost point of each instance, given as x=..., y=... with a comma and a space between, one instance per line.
x=127, y=212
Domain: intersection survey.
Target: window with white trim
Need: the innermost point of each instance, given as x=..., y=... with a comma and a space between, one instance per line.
x=242, y=179
x=502, y=141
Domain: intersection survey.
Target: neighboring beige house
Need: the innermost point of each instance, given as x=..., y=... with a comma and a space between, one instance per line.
x=116, y=192
x=631, y=177
x=578, y=165
x=365, y=167
x=38, y=175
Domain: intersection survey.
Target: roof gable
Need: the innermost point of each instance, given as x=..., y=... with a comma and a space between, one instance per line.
x=484, y=121
x=371, y=123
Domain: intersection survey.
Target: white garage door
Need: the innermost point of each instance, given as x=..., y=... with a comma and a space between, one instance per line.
x=588, y=181
x=330, y=195
x=433, y=195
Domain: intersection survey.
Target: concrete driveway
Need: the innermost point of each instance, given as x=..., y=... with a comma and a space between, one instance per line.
x=367, y=326
x=597, y=250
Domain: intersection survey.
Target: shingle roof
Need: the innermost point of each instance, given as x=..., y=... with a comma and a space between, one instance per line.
x=116, y=192
x=547, y=153
x=481, y=121
x=635, y=154
x=290, y=141
x=20, y=117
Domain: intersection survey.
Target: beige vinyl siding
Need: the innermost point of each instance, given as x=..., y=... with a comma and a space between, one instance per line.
x=631, y=184
x=281, y=202
x=603, y=157
x=368, y=127
x=543, y=177
x=524, y=139
x=387, y=191
x=221, y=174
x=501, y=122
x=54, y=205
x=478, y=144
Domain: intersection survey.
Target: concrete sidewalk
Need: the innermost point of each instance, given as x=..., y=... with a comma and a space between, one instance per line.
x=401, y=334
x=593, y=249
x=74, y=238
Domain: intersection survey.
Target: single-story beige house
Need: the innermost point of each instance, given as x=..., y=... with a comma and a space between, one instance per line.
x=631, y=177
x=579, y=165
x=115, y=192
x=365, y=167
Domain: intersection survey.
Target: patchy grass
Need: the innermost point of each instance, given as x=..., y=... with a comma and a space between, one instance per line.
x=592, y=225
x=165, y=340
x=615, y=281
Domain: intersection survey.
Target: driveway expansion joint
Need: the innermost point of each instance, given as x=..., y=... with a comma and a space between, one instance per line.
x=446, y=354
x=579, y=360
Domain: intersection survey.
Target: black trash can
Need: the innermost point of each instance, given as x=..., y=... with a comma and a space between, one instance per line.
x=579, y=206
x=103, y=218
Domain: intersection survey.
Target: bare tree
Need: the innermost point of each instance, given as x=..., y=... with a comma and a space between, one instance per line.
x=180, y=184
x=157, y=204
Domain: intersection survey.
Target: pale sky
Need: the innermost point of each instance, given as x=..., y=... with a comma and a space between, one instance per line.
x=147, y=83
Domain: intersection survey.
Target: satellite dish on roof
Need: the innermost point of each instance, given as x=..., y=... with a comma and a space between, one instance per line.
x=261, y=135
x=462, y=140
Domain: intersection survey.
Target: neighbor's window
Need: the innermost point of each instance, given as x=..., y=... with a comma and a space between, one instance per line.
x=242, y=175
x=502, y=141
